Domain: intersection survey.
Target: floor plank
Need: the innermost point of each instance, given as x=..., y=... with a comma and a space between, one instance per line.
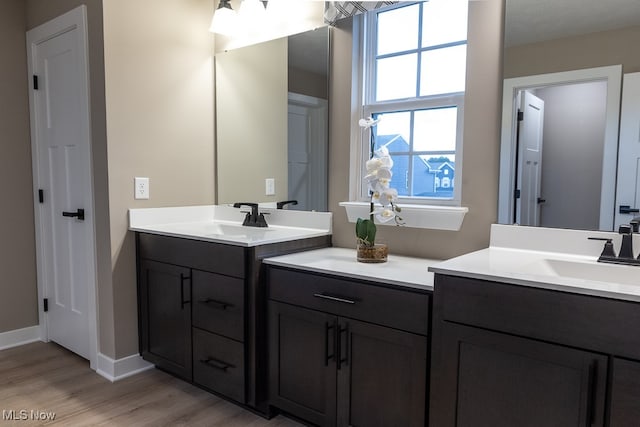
x=42, y=378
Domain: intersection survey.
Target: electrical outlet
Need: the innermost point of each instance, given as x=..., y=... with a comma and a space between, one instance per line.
x=141, y=188
x=270, y=187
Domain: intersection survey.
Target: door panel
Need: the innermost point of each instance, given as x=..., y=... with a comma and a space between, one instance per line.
x=62, y=169
x=493, y=379
x=625, y=393
x=302, y=363
x=530, y=155
x=165, y=305
x=382, y=376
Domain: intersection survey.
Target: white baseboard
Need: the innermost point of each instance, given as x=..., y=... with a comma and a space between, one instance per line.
x=19, y=337
x=115, y=370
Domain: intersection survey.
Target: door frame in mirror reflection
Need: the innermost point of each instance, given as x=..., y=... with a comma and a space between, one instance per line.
x=307, y=151
x=508, y=150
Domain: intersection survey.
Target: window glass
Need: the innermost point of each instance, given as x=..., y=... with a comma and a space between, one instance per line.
x=393, y=131
x=398, y=30
x=396, y=77
x=444, y=22
x=443, y=70
x=435, y=129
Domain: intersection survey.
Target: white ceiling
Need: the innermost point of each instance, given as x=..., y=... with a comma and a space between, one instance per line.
x=529, y=21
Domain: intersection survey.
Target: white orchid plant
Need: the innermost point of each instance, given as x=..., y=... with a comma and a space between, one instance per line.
x=378, y=179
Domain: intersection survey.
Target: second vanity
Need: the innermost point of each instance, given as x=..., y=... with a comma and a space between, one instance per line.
x=528, y=336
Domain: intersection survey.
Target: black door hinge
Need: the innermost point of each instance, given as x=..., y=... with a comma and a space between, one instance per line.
x=41, y=196
x=46, y=304
x=517, y=194
x=520, y=116
x=35, y=82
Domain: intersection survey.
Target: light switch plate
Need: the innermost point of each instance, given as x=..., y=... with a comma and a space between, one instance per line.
x=141, y=188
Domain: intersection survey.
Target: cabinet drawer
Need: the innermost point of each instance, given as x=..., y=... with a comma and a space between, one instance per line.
x=397, y=308
x=218, y=364
x=209, y=256
x=218, y=304
x=583, y=321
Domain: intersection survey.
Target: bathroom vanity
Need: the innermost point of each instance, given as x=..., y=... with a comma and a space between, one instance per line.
x=348, y=342
x=527, y=337
x=201, y=295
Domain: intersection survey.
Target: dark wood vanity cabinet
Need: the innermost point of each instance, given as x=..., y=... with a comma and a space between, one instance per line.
x=165, y=316
x=625, y=393
x=347, y=353
x=514, y=355
x=202, y=312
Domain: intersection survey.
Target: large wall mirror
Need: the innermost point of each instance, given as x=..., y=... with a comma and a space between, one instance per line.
x=272, y=121
x=563, y=66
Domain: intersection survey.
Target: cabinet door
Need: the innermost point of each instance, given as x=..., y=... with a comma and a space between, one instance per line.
x=165, y=317
x=302, y=371
x=382, y=376
x=483, y=378
x=625, y=393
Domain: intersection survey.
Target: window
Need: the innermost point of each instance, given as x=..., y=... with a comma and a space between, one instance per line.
x=414, y=74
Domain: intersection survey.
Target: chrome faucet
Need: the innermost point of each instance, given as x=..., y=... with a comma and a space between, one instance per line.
x=253, y=218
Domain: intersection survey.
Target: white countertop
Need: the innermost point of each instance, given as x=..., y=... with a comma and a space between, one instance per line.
x=223, y=224
x=562, y=260
x=398, y=270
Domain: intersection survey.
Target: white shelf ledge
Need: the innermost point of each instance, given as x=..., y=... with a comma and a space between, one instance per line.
x=415, y=216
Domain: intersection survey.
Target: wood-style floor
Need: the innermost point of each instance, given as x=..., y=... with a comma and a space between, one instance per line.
x=41, y=378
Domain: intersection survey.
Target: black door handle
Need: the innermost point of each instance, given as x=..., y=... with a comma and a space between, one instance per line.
x=541, y=200
x=77, y=214
x=626, y=209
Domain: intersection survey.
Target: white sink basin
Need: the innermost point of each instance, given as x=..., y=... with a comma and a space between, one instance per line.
x=591, y=271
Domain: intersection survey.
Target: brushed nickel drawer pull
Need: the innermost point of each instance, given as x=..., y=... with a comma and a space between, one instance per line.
x=332, y=298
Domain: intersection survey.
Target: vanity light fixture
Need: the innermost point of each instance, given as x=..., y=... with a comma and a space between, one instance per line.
x=224, y=19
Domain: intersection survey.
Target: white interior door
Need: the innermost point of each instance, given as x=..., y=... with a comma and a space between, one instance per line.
x=307, y=152
x=298, y=156
x=530, y=160
x=628, y=183
x=62, y=171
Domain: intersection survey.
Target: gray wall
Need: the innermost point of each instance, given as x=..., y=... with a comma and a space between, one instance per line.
x=18, y=291
x=573, y=142
x=574, y=53
x=481, y=143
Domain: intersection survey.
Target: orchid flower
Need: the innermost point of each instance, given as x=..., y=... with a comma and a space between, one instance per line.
x=384, y=214
x=378, y=178
x=368, y=122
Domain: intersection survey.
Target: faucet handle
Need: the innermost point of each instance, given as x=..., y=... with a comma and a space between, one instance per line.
x=625, y=229
x=607, y=251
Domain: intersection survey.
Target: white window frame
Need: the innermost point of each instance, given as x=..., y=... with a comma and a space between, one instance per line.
x=360, y=140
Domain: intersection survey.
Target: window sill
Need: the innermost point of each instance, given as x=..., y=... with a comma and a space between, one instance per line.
x=416, y=216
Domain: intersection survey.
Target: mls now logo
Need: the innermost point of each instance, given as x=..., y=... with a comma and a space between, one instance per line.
x=24, y=415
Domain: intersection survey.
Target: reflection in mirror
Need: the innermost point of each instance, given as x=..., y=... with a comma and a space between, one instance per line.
x=567, y=177
x=272, y=121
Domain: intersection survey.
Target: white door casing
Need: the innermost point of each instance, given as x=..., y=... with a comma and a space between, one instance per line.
x=613, y=76
x=628, y=189
x=61, y=153
x=530, y=160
